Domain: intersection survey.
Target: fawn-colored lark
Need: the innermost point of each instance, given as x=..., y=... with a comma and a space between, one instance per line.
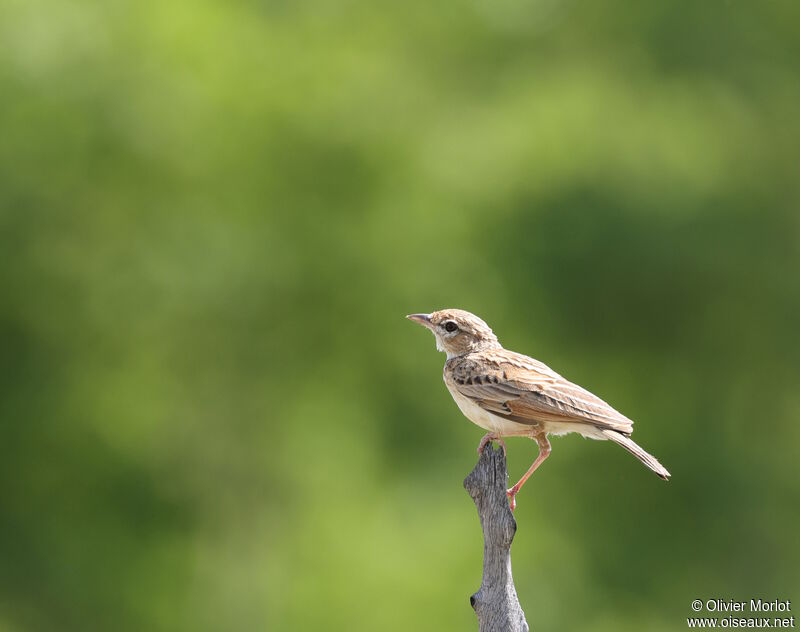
x=512, y=395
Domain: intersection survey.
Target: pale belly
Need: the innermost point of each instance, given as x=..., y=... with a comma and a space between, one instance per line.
x=487, y=420
x=506, y=428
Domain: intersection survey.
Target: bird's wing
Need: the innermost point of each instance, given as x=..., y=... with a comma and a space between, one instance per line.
x=524, y=390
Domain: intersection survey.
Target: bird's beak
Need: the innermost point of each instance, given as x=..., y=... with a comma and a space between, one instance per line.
x=421, y=319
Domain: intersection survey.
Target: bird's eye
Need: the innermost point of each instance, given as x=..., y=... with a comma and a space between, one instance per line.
x=450, y=326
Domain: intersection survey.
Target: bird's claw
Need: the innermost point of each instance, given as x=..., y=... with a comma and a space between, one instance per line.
x=512, y=498
x=488, y=438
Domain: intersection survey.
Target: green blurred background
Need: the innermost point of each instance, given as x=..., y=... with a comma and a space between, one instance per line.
x=214, y=217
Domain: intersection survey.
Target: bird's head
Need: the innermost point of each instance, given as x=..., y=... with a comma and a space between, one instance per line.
x=457, y=332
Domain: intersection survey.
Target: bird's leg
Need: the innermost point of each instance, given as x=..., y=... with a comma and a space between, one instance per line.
x=544, y=452
x=488, y=438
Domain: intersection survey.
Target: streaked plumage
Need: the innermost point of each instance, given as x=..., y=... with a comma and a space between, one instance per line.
x=510, y=394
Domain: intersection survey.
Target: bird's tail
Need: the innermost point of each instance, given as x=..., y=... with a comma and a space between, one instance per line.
x=631, y=446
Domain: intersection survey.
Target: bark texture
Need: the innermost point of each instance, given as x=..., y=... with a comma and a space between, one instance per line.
x=496, y=602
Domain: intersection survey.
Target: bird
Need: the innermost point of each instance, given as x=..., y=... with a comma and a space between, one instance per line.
x=512, y=395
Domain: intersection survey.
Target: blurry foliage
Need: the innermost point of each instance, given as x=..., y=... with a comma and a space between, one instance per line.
x=213, y=218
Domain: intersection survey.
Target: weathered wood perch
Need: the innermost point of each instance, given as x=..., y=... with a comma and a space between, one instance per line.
x=496, y=602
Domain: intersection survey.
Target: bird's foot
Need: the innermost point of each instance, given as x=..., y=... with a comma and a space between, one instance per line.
x=512, y=497
x=488, y=438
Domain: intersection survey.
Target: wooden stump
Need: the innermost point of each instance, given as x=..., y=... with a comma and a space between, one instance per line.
x=496, y=602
